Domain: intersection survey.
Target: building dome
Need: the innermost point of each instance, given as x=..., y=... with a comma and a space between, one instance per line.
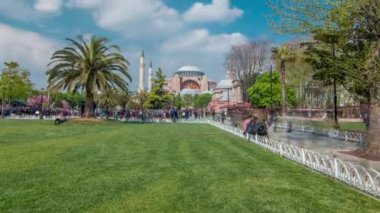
x=224, y=84
x=189, y=71
x=189, y=68
x=189, y=92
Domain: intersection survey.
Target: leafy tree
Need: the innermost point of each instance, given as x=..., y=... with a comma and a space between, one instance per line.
x=38, y=100
x=356, y=23
x=260, y=92
x=121, y=98
x=90, y=66
x=322, y=57
x=283, y=55
x=299, y=16
x=178, y=102
x=299, y=73
x=187, y=100
x=73, y=99
x=15, y=82
x=137, y=100
x=245, y=61
x=202, y=101
x=158, y=98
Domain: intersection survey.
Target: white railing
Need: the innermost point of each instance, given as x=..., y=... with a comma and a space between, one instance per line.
x=332, y=133
x=367, y=180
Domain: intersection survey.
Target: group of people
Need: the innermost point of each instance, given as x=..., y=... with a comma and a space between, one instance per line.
x=254, y=126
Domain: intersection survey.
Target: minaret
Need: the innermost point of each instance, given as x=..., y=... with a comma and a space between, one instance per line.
x=232, y=72
x=150, y=77
x=142, y=69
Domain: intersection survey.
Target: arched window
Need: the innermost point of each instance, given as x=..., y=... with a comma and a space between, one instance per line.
x=190, y=84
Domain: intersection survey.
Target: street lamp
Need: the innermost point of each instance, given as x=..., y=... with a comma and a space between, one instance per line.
x=271, y=93
x=2, y=101
x=270, y=66
x=42, y=100
x=11, y=82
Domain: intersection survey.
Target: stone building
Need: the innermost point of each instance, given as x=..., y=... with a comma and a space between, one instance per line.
x=188, y=80
x=227, y=95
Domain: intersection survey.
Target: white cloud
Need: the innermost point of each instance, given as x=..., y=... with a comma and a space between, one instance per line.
x=198, y=47
x=19, y=10
x=86, y=4
x=30, y=49
x=168, y=37
x=48, y=5
x=217, y=11
x=200, y=40
x=134, y=19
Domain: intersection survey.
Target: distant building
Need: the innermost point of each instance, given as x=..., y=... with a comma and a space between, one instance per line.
x=188, y=80
x=227, y=94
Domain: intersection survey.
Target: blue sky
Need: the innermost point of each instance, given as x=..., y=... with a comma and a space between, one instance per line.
x=171, y=32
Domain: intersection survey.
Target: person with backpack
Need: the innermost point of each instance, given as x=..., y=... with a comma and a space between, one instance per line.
x=251, y=128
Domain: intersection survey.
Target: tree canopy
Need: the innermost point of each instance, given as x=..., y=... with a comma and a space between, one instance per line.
x=15, y=82
x=260, y=92
x=90, y=66
x=158, y=98
x=202, y=100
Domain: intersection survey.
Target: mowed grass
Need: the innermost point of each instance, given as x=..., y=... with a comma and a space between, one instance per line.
x=117, y=167
x=343, y=126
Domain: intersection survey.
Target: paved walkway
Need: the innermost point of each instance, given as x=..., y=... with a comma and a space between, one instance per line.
x=323, y=145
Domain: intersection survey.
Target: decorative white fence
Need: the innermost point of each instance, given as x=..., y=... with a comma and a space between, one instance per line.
x=343, y=135
x=367, y=180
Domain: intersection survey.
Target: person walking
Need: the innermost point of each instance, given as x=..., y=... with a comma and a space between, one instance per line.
x=246, y=123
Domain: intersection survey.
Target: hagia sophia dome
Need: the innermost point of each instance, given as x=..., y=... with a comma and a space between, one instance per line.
x=188, y=80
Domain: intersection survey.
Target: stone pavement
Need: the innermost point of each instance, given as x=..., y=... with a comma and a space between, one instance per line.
x=324, y=146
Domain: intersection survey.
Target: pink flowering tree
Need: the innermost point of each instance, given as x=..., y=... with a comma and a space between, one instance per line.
x=65, y=106
x=35, y=101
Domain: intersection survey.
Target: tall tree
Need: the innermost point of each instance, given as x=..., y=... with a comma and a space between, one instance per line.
x=283, y=55
x=299, y=16
x=202, y=101
x=245, y=62
x=178, y=102
x=158, y=98
x=15, y=82
x=359, y=22
x=322, y=56
x=356, y=21
x=89, y=65
x=262, y=96
x=188, y=100
x=299, y=73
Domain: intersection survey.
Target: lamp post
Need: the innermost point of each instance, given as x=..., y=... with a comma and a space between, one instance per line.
x=271, y=93
x=42, y=100
x=2, y=102
x=228, y=98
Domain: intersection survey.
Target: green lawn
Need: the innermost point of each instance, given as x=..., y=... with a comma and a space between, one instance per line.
x=344, y=126
x=115, y=167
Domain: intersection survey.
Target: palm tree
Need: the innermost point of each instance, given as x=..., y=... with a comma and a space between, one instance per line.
x=283, y=55
x=90, y=66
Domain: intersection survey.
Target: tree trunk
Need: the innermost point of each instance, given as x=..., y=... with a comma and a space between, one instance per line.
x=373, y=133
x=89, y=105
x=283, y=88
x=335, y=106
